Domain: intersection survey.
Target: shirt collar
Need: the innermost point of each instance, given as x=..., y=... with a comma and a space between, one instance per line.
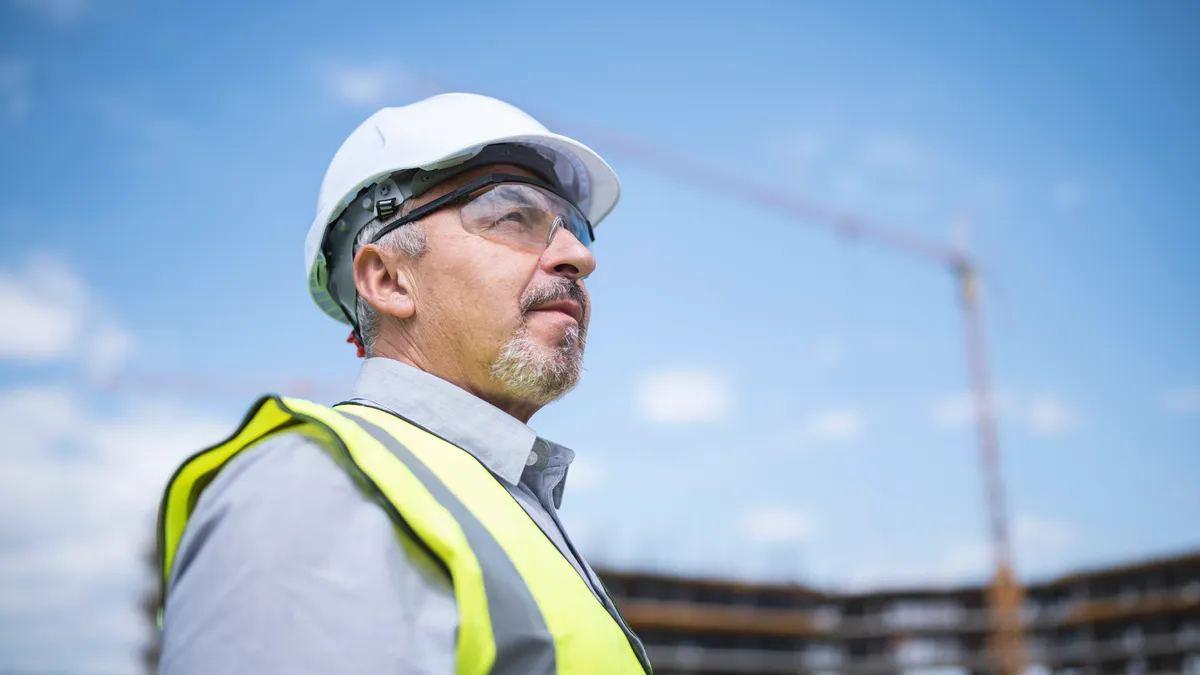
x=548, y=475
x=501, y=442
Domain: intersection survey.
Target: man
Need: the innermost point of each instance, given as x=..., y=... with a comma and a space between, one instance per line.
x=414, y=528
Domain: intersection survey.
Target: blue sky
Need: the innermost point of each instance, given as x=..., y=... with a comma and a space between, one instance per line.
x=763, y=399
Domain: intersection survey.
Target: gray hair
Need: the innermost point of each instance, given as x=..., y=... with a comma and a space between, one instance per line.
x=408, y=240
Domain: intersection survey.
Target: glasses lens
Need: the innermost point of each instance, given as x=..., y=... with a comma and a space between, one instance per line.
x=521, y=213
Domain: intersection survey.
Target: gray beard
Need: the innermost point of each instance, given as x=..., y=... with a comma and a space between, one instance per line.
x=536, y=374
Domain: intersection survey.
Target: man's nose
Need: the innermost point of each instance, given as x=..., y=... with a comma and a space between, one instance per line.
x=567, y=257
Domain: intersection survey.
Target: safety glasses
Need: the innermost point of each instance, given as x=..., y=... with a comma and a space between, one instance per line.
x=509, y=208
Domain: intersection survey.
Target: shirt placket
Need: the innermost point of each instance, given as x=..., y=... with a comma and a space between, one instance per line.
x=545, y=475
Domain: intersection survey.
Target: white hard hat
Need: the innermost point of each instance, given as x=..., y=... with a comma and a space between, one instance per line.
x=430, y=135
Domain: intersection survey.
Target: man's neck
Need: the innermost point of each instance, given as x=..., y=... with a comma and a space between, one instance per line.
x=521, y=410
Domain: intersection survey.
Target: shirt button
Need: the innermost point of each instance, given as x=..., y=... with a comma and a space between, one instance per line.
x=531, y=459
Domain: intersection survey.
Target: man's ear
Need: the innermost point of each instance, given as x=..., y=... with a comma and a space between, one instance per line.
x=384, y=282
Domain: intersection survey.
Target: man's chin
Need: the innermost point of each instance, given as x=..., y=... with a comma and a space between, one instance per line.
x=549, y=327
x=538, y=365
x=557, y=337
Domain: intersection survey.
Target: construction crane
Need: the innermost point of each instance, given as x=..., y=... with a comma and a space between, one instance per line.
x=1006, y=645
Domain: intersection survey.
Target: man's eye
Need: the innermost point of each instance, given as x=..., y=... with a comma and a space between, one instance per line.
x=511, y=219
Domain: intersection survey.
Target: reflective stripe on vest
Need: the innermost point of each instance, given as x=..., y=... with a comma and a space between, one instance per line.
x=522, y=607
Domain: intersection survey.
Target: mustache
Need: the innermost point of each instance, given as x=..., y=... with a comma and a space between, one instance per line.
x=561, y=290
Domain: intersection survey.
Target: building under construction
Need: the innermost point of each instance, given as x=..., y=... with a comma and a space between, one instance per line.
x=1137, y=619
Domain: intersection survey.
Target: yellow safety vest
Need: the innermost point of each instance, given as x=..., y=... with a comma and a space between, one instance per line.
x=523, y=609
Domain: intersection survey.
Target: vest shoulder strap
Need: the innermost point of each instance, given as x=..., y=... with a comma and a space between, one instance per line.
x=429, y=525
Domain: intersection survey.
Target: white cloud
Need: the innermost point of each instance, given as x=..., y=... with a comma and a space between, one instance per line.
x=802, y=149
x=954, y=411
x=776, y=525
x=60, y=12
x=890, y=174
x=367, y=86
x=1040, y=546
x=106, y=350
x=851, y=185
x=43, y=309
x=675, y=397
x=36, y=416
x=15, y=97
x=1069, y=195
x=885, y=345
x=1042, y=536
x=50, y=315
x=898, y=153
x=80, y=491
x=1042, y=414
x=1049, y=416
x=966, y=561
x=829, y=352
x=585, y=473
x=833, y=426
x=159, y=137
x=804, y=145
x=989, y=192
x=839, y=425
x=1182, y=401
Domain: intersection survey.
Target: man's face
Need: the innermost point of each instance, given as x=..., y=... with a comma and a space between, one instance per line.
x=511, y=317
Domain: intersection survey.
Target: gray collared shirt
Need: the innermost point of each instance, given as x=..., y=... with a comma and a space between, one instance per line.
x=285, y=567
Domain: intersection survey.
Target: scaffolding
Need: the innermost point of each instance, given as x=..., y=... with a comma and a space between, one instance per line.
x=1140, y=619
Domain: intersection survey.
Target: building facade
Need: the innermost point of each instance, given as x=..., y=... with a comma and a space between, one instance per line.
x=1137, y=619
